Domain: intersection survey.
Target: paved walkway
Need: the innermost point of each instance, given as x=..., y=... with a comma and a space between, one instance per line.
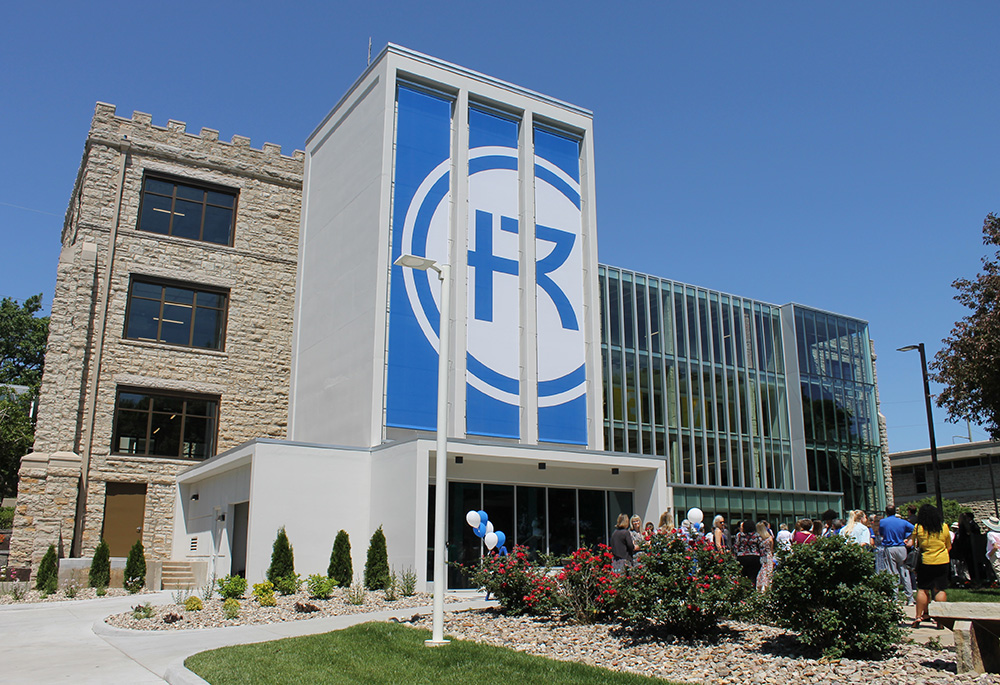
x=60, y=642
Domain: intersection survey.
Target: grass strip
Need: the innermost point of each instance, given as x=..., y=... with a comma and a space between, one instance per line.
x=981, y=595
x=391, y=653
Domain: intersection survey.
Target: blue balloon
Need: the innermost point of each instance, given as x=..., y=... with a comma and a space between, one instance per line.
x=483, y=518
x=480, y=531
x=503, y=551
x=501, y=538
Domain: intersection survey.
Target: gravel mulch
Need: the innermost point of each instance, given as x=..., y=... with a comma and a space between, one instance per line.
x=251, y=613
x=740, y=653
x=34, y=596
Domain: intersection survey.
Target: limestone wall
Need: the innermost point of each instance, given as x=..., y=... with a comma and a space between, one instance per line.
x=250, y=375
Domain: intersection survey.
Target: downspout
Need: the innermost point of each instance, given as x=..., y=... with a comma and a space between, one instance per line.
x=102, y=316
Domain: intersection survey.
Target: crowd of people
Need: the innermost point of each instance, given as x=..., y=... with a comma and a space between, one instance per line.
x=921, y=551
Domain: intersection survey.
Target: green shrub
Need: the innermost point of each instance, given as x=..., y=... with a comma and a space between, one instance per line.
x=141, y=611
x=683, y=589
x=356, y=594
x=231, y=608
x=100, y=566
x=320, y=587
x=264, y=594
x=6, y=518
x=520, y=586
x=586, y=584
x=341, y=569
x=289, y=585
x=193, y=603
x=392, y=588
x=282, y=558
x=408, y=583
x=101, y=591
x=135, y=568
x=377, y=564
x=232, y=587
x=47, y=579
x=828, y=592
x=71, y=590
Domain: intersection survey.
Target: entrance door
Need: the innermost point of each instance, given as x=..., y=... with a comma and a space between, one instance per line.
x=241, y=521
x=124, y=511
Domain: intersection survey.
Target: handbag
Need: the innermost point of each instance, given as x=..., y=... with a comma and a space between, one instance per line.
x=912, y=558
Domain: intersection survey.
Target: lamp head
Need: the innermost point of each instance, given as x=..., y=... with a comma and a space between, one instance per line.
x=414, y=262
x=908, y=348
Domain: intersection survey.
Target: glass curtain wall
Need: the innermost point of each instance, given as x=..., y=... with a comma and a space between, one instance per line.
x=697, y=377
x=839, y=413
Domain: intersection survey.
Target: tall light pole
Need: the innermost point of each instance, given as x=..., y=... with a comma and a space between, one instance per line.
x=441, y=461
x=930, y=420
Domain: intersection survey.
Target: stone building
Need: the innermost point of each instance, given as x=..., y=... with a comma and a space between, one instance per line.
x=170, y=329
x=969, y=472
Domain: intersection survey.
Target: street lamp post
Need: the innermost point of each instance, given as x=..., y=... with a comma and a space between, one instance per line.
x=441, y=460
x=930, y=420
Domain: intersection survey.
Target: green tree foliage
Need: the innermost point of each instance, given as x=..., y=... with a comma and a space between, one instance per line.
x=135, y=568
x=22, y=341
x=377, y=565
x=951, y=508
x=967, y=364
x=341, y=569
x=47, y=579
x=282, y=558
x=828, y=592
x=17, y=434
x=100, y=566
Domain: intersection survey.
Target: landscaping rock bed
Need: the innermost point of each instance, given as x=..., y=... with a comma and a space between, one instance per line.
x=740, y=653
x=251, y=613
x=33, y=596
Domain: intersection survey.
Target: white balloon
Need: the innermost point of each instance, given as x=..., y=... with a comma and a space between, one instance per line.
x=695, y=515
x=489, y=527
x=472, y=518
x=491, y=540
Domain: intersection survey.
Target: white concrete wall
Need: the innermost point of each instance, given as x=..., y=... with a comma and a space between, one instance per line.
x=399, y=505
x=337, y=355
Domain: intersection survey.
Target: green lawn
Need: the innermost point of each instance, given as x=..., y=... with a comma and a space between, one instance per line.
x=391, y=653
x=983, y=595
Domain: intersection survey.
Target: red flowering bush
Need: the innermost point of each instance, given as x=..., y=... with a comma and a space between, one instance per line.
x=519, y=585
x=684, y=589
x=587, y=584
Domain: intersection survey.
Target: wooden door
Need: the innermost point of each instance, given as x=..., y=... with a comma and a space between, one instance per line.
x=124, y=511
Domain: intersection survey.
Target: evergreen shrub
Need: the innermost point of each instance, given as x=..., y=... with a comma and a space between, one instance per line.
x=6, y=518
x=264, y=594
x=47, y=579
x=100, y=566
x=282, y=558
x=828, y=592
x=377, y=565
x=289, y=585
x=320, y=586
x=682, y=589
x=135, y=568
x=193, y=603
x=231, y=608
x=341, y=569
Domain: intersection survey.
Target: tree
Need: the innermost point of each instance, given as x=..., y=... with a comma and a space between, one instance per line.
x=282, y=558
x=47, y=578
x=17, y=434
x=22, y=341
x=341, y=569
x=968, y=366
x=22, y=353
x=377, y=565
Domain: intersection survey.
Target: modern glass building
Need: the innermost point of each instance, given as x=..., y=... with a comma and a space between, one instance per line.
x=711, y=382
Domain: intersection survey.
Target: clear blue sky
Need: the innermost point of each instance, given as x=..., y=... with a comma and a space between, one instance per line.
x=841, y=155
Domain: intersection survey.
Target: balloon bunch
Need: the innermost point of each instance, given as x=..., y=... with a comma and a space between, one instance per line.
x=483, y=528
x=695, y=516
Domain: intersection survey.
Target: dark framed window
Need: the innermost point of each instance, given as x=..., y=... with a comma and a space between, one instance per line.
x=165, y=424
x=176, y=313
x=187, y=210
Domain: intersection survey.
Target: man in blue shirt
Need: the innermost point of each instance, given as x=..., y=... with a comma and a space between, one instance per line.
x=895, y=532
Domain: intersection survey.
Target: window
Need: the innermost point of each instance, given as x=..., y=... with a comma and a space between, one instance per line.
x=186, y=210
x=176, y=314
x=164, y=425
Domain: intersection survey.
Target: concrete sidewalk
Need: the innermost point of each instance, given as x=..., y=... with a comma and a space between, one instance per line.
x=69, y=642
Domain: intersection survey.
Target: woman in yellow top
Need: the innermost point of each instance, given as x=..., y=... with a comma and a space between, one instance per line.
x=933, y=540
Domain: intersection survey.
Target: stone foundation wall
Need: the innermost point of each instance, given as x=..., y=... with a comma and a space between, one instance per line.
x=46, y=506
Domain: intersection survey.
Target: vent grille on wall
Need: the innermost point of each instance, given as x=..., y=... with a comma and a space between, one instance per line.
x=194, y=544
